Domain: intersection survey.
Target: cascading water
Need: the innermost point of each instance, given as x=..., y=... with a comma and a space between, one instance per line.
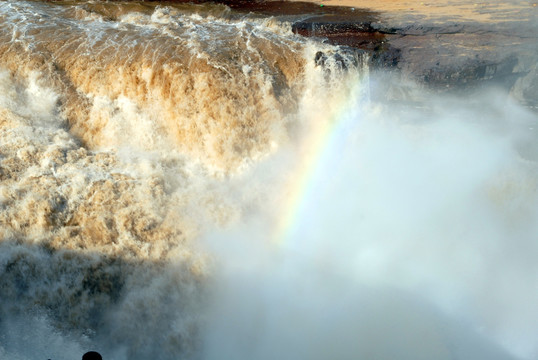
x=189, y=182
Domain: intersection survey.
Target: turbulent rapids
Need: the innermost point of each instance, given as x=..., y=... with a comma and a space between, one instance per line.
x=116, y=121
x=159, y=75
x=190, y=182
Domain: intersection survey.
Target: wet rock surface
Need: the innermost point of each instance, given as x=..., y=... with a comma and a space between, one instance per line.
x=445, y=53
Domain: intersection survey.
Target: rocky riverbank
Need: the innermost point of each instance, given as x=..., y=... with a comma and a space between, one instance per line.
x=444, y=45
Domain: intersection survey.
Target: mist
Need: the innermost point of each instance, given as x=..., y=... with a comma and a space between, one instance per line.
x=415, y=240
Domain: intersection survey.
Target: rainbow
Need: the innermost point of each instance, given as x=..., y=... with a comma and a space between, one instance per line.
x=319, y=154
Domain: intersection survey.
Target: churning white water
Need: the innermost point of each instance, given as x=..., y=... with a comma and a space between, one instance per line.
x=147, y=155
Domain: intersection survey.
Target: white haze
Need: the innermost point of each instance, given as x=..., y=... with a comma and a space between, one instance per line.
x=417, y=242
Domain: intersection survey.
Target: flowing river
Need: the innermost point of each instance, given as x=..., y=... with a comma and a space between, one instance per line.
x=191, y=182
